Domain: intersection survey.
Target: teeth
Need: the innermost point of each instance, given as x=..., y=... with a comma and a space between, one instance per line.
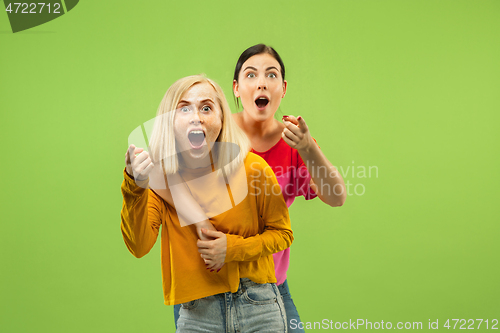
x=197, y=132
x=263, y=98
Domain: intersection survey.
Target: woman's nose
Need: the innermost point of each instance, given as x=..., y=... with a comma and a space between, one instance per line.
x=262, y=85
x=195, y=118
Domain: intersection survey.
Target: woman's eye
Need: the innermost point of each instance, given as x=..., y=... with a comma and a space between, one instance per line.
x=250, y=75
x=206, y=108
x=184, y=109
x=272, y=75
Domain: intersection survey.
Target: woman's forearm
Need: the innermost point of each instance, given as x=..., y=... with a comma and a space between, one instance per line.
x=140, y=219
x=271, y=241
x=328, y=183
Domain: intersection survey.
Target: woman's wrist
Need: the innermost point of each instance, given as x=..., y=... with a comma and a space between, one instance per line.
x=129, y=173
x=204, y=224
x=308, y=149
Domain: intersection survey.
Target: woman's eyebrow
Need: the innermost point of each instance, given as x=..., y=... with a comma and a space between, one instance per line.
x=207, y=100
x=250, y=67
x=272, y=67
x=182, y=102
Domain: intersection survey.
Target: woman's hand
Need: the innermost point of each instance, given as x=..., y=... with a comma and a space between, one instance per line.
x=213, y=252
x=138, y=166
x=296, y=134
x=204, y=225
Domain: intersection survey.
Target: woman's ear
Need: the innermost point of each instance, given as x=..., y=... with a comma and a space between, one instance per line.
x=235, y=89
x=284, y=88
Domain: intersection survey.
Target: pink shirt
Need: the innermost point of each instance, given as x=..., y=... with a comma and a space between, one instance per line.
x=294, y=179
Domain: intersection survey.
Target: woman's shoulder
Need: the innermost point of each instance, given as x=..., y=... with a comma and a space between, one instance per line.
x=254, y=158
x=258, y=170
x=255, y=163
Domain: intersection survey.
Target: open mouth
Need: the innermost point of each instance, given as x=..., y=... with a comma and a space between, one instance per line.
x=196, y=138
x=261, y=102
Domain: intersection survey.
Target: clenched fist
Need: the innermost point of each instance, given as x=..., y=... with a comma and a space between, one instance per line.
x=138, y=163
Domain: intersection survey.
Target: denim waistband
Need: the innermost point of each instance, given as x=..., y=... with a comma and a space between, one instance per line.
x=246, y=283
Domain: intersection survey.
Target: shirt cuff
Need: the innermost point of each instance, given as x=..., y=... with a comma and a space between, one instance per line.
x=230, y=251
x=132, y=186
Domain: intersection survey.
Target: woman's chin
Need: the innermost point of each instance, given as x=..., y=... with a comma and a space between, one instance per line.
x=196, y=157
x=263, y=114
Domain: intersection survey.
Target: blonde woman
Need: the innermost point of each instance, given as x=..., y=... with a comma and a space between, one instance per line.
x=193, y=147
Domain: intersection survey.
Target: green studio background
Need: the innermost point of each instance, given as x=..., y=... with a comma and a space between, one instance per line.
x=408, y=88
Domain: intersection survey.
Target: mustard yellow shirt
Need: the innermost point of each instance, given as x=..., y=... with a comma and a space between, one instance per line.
x=257, y=225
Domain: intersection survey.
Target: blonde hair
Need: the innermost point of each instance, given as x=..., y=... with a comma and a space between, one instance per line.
x=162, y=145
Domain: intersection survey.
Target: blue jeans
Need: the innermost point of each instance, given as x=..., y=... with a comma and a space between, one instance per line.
x=291, y=310
x=253, y=308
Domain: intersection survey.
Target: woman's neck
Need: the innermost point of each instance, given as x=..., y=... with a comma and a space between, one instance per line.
x=186, y=162
x=262, y=134
x=261, y=129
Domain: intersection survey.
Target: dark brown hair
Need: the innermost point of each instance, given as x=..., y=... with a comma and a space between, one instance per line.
x=254, y=50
